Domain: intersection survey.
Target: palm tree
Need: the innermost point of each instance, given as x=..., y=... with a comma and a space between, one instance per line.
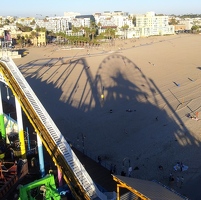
x=75, y=30
x=99, y=26
x=92, y=32
x=93, y=29
x=20, y=40
x=86, y=31
x=26, y=39
x=195, y=28
x=173, y=21
x=34, y=35
x=108, y=32
x=33, y=22
x=125, y=28
x=113, y=33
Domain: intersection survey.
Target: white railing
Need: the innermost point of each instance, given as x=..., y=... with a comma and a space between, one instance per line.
x=64, y=148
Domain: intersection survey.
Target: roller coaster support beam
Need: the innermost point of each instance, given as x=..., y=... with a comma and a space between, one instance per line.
x=60, y=181
x=40, y=155
x=20, y=128
x=2, y=124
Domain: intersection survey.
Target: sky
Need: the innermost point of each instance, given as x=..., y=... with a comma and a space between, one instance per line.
x=43, y=8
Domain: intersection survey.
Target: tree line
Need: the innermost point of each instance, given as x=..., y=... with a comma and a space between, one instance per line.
x=79, y=35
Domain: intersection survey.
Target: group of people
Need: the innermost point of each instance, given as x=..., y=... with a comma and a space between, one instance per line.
x=179, y=180
x=180, y=167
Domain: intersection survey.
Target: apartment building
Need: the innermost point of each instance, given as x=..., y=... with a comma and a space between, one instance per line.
x=115, y=20
x=150, y=24
x=55, y=24
x=189, y=22
x=146, y=25
x=38, y=40
x=65, y=23
x=83, y=20
x=25, y=21
x=115, y=13
x=11, y=28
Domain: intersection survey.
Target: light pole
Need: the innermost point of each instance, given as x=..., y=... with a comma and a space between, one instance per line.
x=7, y=92
x=82, y=137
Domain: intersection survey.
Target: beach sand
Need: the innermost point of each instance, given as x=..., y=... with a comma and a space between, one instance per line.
x=157, y=78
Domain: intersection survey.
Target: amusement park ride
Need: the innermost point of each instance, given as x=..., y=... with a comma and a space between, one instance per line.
x=79, y=184
x=46, y=186
x=77, y=178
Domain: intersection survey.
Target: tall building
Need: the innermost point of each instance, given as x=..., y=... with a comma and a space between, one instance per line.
x=84, y=20
x=151, y=24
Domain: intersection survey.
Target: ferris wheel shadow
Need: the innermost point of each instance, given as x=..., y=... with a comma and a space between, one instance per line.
x=81, y=94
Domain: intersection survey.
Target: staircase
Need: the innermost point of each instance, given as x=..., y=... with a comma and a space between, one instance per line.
x=55, y=143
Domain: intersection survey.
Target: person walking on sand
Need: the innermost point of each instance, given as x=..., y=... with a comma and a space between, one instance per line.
x=170, y=177
x=125, y=132
x=182, y=181
x=130, y=171
x=178, y=181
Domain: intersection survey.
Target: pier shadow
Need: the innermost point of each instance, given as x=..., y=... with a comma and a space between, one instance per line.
x=79, y=100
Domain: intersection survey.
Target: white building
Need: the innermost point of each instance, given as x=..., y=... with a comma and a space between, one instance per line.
x=83, y=20
x=115, y=20
x=146, y=25
x=55, y=24
x=189, y=22
x=25, y=21
x=150, y=24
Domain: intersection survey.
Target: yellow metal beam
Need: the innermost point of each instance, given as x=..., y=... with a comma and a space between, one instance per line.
x=72, y=181
x=121, y=184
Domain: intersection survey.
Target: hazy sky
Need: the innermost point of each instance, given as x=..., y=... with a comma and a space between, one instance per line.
x=58, y=7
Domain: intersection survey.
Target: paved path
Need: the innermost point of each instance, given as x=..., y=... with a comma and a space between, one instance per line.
x=99, y=174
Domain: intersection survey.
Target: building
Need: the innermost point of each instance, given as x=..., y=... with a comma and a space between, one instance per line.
x=188, y=23
x=39, y=39
x=25, y=21
x=151, y=24
x=179, y=28
x=84, y=20
x=55, y=24
x=124, y=24
x=116, y=20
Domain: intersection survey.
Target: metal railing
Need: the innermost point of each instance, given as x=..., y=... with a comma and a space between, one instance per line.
x=74, y=173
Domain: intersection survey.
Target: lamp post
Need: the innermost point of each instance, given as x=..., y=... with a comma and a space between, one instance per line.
x=82, y=137
x=7, y=92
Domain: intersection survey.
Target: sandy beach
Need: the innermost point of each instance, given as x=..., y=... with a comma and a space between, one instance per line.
x=151, y=90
